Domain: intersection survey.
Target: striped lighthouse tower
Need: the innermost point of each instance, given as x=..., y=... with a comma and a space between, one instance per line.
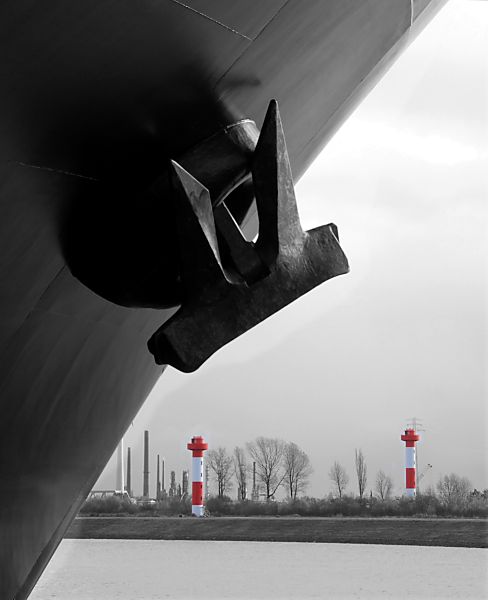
x=198, y=447
x=410, y=437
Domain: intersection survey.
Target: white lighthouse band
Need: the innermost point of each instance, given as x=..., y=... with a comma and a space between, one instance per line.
x=410, y=457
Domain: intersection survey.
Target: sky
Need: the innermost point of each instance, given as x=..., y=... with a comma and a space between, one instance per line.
x=405, y=333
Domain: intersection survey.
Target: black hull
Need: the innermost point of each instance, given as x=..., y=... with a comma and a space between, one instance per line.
x=105, y=91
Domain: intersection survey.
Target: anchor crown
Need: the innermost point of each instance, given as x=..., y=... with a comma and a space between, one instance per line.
x=221, y=302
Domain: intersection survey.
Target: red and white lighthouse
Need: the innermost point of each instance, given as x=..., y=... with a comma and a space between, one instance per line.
x=410, y=437
x=198, y=447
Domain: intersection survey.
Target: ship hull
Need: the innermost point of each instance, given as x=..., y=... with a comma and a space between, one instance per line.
x=114, y=93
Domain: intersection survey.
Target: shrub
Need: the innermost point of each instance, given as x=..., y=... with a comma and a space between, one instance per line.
x=424, y=505
x=108, y=505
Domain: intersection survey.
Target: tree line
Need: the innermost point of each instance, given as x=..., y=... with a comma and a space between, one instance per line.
x=270, y=462
x=266, y=465
x=277, y=464
x=286, y=465
x=383, y=484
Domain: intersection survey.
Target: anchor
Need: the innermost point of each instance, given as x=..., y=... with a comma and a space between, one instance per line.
x=223, y=301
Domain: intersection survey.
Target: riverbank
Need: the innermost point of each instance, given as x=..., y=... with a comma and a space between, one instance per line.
x=468, y=533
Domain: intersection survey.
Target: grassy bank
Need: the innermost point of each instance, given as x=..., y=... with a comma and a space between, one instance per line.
x=471, y=533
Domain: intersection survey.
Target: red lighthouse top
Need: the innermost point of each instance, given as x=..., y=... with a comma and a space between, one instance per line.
x=198, y=445
x=410, y=435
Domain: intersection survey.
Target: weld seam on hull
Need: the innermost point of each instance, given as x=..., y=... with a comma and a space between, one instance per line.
x=52, y=170
x=212, y=19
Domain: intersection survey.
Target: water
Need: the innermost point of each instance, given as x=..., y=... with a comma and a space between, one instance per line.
x=147, y=570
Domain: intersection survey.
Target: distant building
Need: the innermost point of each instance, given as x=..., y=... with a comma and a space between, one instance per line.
x=172, y=486
x=184, y=486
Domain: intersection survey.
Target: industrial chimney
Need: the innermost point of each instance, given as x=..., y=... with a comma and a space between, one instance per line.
x=128, y=477
x=145, y=483
x=119, y=474
x=158, y=482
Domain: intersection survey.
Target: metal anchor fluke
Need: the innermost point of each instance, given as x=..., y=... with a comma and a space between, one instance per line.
x=222, y=302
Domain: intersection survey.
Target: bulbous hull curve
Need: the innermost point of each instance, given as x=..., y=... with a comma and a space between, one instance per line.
x=105, y=93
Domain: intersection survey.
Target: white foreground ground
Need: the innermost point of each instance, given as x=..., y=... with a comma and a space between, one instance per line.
x=146, y=570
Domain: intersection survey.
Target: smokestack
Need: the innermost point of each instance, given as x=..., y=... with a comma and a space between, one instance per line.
x=158, y=483
x=145, y=483
x=119, y=475
x=163, y=489
x=128, y=485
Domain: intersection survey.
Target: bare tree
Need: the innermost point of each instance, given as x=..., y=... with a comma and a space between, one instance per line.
x=240, y=472
x=339, y=477
x=267, y=453
x=383, y=485
x=297, y=469
x=453, y=490
x=361, y=472
x=221, y=464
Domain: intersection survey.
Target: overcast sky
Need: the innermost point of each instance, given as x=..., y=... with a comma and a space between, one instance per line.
x=405, y=333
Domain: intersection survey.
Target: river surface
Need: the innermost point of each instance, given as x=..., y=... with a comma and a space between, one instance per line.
x=154, y=569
